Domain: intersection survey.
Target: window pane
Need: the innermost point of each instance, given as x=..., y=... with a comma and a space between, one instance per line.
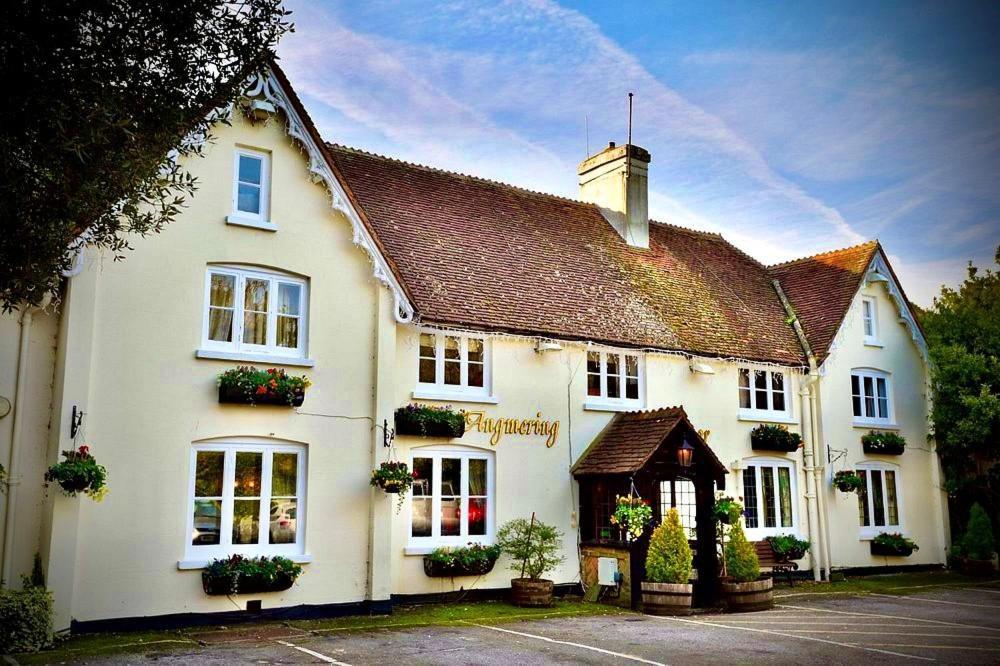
x=246, y=521
x=863, y=499
x=255, y=328
x=856, y=395
x=785, y=495
x=451, y=517
x=421, y=525
x=593, y=384
x=282, y=526
x=869, y=397
x=451, y=476
x=248, y=474
x=883, y=398
x=760, y=389
x=476, y=374
x=451, y=348
x=422, y=477
x=428, y=345
x=250, y=169
x=220, y=325
x=878, y=500
x=248, y=198
x=288, y=298
x=744, y=375
x=207, y=522
x=427, y=371
x=631, y=366
x=778, y=391
x=223, y=290
x=632, y=388
x=255, y=318
x=594, y=362
x=477, y=516
x=750, y=496
x=452, y=364
x=686, y=505
x=284, y=474
x=890, y=497
x=477, y=476
x=767, y=487
x=866, y=307
x=614, y=370
x=255, y=295
x=209, y=466
x=475, y=350
x=288, y=332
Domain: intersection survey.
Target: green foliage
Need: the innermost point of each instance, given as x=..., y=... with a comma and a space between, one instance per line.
x=105, y=92
x=534, y=548
x=896, y=541
x=37, y=578
x=394, y=477
x=3, y=479
x=770, y=437
x=978, y=542
x=465, y=556
x=79, y=473
x=25, y=619
x=788, y=546
x=726, y=510
x=669, y=556
x=890, y=442
x=848, y=481
x=741, y=556
x=632, y=514
x=237, y=567
x=427, y=421
x=254, y=384
x=963, y=334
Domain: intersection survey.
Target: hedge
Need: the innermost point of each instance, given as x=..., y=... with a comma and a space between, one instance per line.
x=25, y=619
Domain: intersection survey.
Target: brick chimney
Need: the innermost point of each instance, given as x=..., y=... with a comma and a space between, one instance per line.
x=617, y=181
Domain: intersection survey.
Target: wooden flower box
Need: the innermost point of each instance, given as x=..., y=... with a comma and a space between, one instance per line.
x=233, y=396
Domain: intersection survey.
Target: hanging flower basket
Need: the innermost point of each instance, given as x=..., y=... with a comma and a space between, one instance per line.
x=893, y=545
x=848, y=481
x=79, y=473
x=768, y=437
x=632, y=516
x=472, y=560
x=394, y=478
x=246, y=385
x=426, y=421
x=884, y=443
x=249, y=575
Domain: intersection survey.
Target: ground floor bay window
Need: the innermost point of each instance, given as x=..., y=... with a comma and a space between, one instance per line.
x=246, y=498
x=769, y=492
x=452, y=501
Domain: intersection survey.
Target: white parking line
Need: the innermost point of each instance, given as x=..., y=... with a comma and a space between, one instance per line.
x=894, y=617
x=983, y=589
x=889, y=633
x=940, y=647
x=936, y=601
x=313, y=653
x=803, y=638
x=629, y=657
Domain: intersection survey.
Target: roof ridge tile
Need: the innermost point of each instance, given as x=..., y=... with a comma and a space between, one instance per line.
x=873, y=242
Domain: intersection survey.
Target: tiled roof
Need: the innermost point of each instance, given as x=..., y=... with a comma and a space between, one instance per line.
x=821, y=289
x=625, y=445
x=480, y=254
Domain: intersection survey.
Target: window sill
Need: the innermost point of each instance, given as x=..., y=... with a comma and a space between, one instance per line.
x=220, y=355
x=598, y=406
x=889, y=529
x=873, y=343
x=764, y=417
x=237, y=221
x=190, y=565
x=876, y=425
x=446, y=396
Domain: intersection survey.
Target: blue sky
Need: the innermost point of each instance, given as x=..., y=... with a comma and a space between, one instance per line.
x=790, y=128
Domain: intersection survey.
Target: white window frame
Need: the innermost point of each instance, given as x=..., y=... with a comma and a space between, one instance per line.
x=869, y=316
x=423, y=545
x=246, y=351
x=198, y=555
x=760, y=532
x=621, y=403
x=262, y=219
x=865, y=419
x=438, y=390
x=770, y=414
x=872, y=530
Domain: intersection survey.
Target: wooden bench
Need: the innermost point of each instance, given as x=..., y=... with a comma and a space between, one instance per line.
x=770, y=560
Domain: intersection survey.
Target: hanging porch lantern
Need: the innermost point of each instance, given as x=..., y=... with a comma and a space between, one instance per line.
x=685, y=452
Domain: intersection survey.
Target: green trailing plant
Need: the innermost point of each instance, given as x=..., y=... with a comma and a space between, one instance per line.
x=848, y=481
x=271, y=385
x=770, y=437
x=428, y=421
x=467, y=557
x=669, y=556
x=236, y=571
x=742, y=564
x=534, y=547
x=883, y=442
x=788, y=546
x=896, y=542
x=393, y=477
x=726, y=510
x=632, y=515
x=25, y=618
x=978, y=542
x=79, y=473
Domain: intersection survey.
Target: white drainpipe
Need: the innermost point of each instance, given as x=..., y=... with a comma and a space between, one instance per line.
x=824, y=546
x=14, y=464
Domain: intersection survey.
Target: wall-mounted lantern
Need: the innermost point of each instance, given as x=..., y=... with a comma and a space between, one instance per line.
x=685, y=452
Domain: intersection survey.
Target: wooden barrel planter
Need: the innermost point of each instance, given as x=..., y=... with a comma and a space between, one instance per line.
x=971, y=567
x=531, y=593
x=756, y=595
x=667, y=598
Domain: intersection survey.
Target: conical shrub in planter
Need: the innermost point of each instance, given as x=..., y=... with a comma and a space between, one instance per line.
x=666, y=590
x=978, y=543
x=745, y=590
x=534, y=548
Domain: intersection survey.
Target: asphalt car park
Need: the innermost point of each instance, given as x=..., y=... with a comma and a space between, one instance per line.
x=945, y=625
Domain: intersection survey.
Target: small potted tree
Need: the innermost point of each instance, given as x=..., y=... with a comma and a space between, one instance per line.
x=666, y=590
x=978, y=544
x=745, y=589
x=848, y=481
x=534, y=550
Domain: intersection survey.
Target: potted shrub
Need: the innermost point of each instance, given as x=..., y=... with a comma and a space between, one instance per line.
x=726, y=510
x=744, y=588
x=893, y=545
x=249, y=575
x=632, y=515
x=978, y=544
x=79, y=473
x=472, y=560
x=770, y=437
x=246, y=385
x=788, y=547
x=534, y=548
x=666, y=590
x=884, y=443
x=848, y=481
x=393, y=477
x=427, y=421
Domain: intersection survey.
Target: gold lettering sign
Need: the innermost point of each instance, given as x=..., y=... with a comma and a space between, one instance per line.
x=498, y=427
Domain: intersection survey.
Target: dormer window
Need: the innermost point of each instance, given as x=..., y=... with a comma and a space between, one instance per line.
x=615, y=380
x=251, y=189
x=453, y=366
x=869, y=318
x=764, y=395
